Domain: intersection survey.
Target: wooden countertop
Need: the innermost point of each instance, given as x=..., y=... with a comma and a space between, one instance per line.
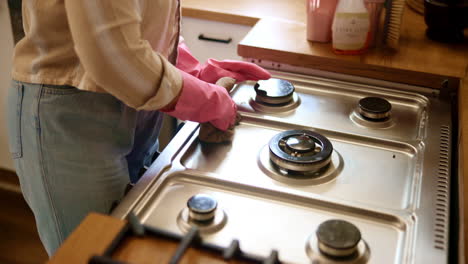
x=279, y=35
x=293, y=10
x=418, y=60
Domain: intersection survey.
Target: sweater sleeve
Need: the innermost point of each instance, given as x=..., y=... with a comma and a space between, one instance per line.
x=108, y=41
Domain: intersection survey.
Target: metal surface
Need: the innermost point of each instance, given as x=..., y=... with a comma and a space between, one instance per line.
x=263, y=220
x=328, y=104
x=387, y=180
x=388, y=185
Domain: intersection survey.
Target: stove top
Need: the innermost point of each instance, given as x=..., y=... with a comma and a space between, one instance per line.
x=340, y=106
x=320, y=170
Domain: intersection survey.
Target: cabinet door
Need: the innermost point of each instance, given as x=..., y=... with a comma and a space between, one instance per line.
x=211, y=39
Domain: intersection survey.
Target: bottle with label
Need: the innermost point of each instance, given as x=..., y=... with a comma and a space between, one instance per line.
x=350, y=29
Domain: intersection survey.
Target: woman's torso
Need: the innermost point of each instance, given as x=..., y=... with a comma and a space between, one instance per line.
x=46, y=54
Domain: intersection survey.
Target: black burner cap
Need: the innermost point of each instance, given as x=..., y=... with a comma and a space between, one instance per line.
x=338, y=234
x=375, y=105
x=274, y=91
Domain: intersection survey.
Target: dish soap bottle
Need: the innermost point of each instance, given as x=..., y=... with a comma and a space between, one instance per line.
x=350, y=29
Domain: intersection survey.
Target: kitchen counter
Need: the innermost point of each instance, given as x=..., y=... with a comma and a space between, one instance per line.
x=418, y=61
x=279, y=35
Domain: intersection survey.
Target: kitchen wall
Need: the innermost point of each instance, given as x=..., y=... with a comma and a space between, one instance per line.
x=6, y=50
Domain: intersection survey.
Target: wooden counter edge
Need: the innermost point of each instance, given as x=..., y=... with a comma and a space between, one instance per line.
x=346, y=67
x=91, y=237
x=219, y=16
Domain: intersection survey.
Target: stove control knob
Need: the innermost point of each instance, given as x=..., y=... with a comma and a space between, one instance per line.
x=202, y=207
x=338, y=238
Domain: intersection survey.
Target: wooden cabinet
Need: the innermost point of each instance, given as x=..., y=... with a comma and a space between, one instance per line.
x=212, y=39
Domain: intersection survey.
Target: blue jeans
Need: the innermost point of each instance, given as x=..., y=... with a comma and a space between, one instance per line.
x=75, y=152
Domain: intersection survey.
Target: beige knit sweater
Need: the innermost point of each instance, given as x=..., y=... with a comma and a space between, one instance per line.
x=126, y=48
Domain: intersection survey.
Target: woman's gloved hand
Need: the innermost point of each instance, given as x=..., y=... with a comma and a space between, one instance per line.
x=213, y=69
x=202, y=102
x=210, y=134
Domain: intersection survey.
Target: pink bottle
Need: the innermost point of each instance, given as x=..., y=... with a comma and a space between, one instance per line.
x=319, y=19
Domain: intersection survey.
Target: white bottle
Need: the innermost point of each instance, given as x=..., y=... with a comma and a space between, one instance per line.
x=350, y=29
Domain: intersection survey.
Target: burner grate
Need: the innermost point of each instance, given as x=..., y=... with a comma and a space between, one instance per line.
x=191, y=239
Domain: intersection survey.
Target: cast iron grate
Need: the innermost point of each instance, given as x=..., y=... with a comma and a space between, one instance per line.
x=191, y=239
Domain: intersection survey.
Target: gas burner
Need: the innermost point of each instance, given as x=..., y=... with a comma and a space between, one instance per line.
x=300, y=151
x=274, y=95
x=338, y=238
x=373, y=112
x=202, y=211
x=374, y=108
x=300, y=157
x=338, y=241
x=274, y=91
x=202, y=207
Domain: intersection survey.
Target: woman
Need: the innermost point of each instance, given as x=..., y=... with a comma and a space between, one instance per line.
x=89, y=79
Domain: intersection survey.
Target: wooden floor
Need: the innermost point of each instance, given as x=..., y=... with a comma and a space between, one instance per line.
x=19, y=242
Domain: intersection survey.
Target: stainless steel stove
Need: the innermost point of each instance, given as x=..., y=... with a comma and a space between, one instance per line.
x=323, y=171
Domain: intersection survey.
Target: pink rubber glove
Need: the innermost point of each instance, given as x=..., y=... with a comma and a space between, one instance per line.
x=213, y=69
x=202, y=102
